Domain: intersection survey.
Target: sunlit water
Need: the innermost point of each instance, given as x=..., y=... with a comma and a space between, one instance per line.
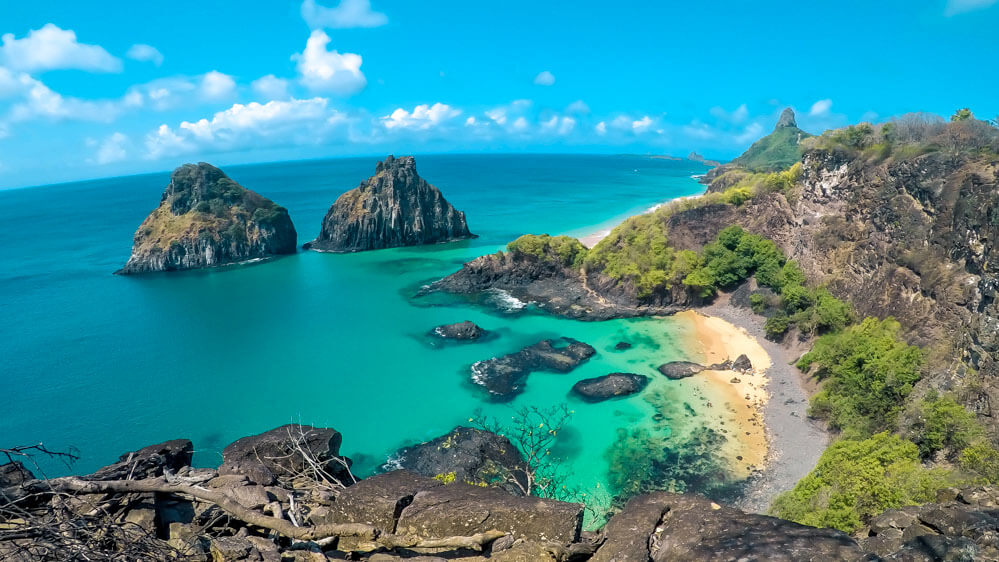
x=108, y=364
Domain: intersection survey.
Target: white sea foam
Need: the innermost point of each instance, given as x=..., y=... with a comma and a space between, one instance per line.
x=504, y=300
x=394, y=462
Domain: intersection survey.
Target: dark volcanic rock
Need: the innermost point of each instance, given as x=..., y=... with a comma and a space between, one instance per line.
x=666, y=527
x=504, y=377
x=149, y=462
x=742, y=363
x=273, y=454
x=680, y=369
x=205, y=220
x=608, y=386
x=622, y=345
x=463, y=509
x=13, y=474
x=394, y=207
x=473, y=455
x=380, y=499
x=461, y=331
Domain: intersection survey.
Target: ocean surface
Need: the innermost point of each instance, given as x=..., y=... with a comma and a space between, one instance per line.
x=108, y=364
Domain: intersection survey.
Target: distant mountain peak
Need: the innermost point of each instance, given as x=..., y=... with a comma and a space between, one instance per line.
x=786, y=119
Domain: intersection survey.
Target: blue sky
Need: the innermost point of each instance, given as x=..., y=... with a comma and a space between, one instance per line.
x=145, y=86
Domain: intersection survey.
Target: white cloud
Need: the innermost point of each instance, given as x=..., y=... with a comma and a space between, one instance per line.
x=217, y=86
x=275, y=123
x=270, y=87
x=39, y=101
x=601, y=128
x=53, y=48
x=348, y=13
x=329, y=71
x=641, y=125
x=145, y=53
x=544, y=78
x=520, y=124
x=955, y=7
x=820, y=108
x=422, y=117
x=578, y=106
x=750, y=134
x=737, y=116
x=112, y=149
x=559, y=125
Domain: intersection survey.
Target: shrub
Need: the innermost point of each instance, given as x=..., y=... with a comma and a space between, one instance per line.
x=867, y=372
x=944, y=425
x=856, y=479
x=777, y=325
x=757, y=303
x=567, y=251
x=981, y=459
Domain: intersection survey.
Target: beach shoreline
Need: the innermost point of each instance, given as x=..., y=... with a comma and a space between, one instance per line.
x=794, y=442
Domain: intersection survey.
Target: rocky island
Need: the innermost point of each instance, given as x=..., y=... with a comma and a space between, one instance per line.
x=205, y=219
x=395, y=207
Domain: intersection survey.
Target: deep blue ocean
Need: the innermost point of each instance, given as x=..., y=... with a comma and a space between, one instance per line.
x=108, y=364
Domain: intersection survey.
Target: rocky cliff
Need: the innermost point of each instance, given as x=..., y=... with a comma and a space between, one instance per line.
x=205, y=219
x=394, y=207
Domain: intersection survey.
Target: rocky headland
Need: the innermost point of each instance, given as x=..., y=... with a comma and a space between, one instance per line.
x=395, y=207
x=205, y=219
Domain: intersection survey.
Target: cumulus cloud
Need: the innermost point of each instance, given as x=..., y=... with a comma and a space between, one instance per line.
x=601, y=128
x=329, y=71
x=270, y=87
x=54, y=48
x=736, y=116
x=578, y=106
x=145, y=53
x=348, y=13
x=820, y=108
x=544, y=78
x=641, y=125
x=275, y=123
x=217, y=86
x=955, y=7
x=112, y=149
x=422, y=117
x=559, y=125
x=39, y=101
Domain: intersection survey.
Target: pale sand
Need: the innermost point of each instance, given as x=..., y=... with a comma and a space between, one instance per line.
x=739, y=396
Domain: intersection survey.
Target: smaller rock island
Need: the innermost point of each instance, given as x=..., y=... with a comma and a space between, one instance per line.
x=206, y=219
x=395, y=207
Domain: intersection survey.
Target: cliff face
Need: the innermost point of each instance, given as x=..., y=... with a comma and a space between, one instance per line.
x=394, y=207
x=205, y=220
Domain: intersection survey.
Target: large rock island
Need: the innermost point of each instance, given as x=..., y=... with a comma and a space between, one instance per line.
x=395, y=207
x=205, y=219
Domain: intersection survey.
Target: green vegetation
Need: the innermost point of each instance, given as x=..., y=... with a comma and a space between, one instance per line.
x=857, y=479
x=945, y=426
x=569, y=251
x=963, y=114
x=776, y=151
x=867, y=372
x=744, y=185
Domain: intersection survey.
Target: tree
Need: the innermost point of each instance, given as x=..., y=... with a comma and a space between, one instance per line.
x=963, y=114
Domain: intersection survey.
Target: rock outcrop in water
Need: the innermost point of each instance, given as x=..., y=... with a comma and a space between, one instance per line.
x=395, y=207
x=206, y=220
x=464, y=331
x=504, y=377
x=609, y=386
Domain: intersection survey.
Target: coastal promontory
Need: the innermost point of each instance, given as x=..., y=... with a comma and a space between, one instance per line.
x=395, y=207
x=205, y=219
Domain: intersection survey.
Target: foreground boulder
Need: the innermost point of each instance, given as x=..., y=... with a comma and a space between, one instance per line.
x=394, y=207
x=666, y=527
x=613, y=385
x=206, y=220
x=505, y=376
x=149, y=462
x=286, y=452
x=467, y=455
x=466, y=330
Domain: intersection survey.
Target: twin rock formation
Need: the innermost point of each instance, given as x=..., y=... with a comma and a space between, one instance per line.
x=205, y=219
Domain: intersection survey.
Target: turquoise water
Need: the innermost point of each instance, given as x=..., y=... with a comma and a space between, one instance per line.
x=108, y=364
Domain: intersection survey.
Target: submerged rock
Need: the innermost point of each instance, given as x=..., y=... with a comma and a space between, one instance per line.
x=622, y=345
x=609, y=386
x=205, y=220
x=504, y=377
x=394, y=207
x=680, y=369
x=471, y=455
x=466, y=330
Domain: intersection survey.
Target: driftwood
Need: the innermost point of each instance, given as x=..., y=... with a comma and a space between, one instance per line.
x=367, y=534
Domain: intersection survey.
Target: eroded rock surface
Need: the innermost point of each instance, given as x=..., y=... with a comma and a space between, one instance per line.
x=504, y=377
x=609, y=386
